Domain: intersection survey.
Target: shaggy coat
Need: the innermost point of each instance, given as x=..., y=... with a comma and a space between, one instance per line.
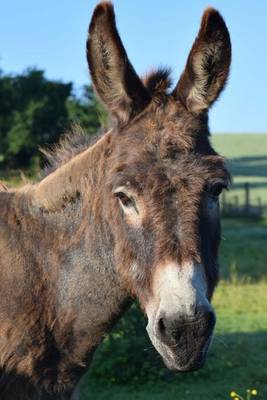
x=79, y=245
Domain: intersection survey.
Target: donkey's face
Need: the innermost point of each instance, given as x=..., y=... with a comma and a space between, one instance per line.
x=163, y=183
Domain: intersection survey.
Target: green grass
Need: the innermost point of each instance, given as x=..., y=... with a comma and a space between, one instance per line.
x=238, y=357
x=247, y=160
x=237, y=145
x=244, y=251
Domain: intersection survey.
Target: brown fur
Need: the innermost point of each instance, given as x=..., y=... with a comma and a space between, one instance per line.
x=66, y=249
x=3, y=187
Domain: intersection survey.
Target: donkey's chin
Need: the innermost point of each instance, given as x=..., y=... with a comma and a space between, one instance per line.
x=181, y=361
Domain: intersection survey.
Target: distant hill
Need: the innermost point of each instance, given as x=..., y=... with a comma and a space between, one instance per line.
x=238, y=145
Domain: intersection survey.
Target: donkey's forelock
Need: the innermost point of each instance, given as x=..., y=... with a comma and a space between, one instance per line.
x=158, y=81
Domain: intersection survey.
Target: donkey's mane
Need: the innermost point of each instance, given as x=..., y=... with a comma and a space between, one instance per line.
x=76, y=140
x=70, y=144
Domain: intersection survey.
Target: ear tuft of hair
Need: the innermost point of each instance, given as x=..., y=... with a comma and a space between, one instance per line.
x=158, y=81
x=104, y=11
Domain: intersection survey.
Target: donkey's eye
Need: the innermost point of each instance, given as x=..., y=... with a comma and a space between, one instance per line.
x=216, y=190
x=125, y=200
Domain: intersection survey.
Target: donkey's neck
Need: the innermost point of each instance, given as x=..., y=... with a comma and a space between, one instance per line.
x=89, y=294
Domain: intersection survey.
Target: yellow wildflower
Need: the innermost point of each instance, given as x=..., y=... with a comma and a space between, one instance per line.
x=254, y=392
x=233, y=394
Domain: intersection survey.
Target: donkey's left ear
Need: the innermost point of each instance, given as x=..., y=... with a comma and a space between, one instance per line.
x=208, y=64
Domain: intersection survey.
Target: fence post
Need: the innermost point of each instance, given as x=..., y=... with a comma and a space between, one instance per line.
x=236, y=203
x=260, y=206
x=247, y=197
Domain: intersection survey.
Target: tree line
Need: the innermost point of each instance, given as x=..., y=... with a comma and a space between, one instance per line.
x=35, y=111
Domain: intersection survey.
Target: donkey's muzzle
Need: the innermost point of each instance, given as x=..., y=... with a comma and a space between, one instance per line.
x=188, y=338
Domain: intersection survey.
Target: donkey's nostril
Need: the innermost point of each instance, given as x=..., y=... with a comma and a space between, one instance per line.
x=161, y=326
x=169, y=329
x=174, y=329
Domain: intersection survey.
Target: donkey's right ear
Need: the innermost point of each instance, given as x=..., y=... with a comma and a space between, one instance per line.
x=114, y=78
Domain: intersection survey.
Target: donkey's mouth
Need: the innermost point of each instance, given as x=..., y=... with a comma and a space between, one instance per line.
x=176, y=367
x=182, y=360
x=188, y=352
x=194, y=361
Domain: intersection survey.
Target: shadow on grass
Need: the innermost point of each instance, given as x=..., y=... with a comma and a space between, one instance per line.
x=252, y=185
x=243, y=250
x=248, y=166
x=236, y=362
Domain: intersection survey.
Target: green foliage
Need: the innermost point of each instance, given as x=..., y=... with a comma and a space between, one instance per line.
x=35, y=111
x=87, y=110
x=127, y=354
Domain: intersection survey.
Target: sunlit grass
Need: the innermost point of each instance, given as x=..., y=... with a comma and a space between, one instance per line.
x=237, y=145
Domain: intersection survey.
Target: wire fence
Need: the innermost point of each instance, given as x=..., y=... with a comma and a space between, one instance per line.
x=235, y=208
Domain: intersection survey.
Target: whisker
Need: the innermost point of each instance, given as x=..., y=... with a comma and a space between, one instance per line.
x=148, y=348
x=219, y=339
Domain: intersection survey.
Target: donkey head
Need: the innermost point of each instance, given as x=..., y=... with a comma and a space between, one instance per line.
x=163, y=180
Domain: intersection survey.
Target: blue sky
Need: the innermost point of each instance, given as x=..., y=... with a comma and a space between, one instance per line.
x=51, y=35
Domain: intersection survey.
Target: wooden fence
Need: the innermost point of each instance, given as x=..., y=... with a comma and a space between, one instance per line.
x=234, y=208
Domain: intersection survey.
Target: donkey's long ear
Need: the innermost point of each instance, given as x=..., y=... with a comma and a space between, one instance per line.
x=114, y=78
x=207, y=66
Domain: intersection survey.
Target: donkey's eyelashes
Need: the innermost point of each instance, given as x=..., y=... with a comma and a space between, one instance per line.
x=216, y=189
x=127, y=201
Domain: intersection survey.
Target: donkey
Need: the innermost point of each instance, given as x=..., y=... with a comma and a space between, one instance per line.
x=134, y=215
